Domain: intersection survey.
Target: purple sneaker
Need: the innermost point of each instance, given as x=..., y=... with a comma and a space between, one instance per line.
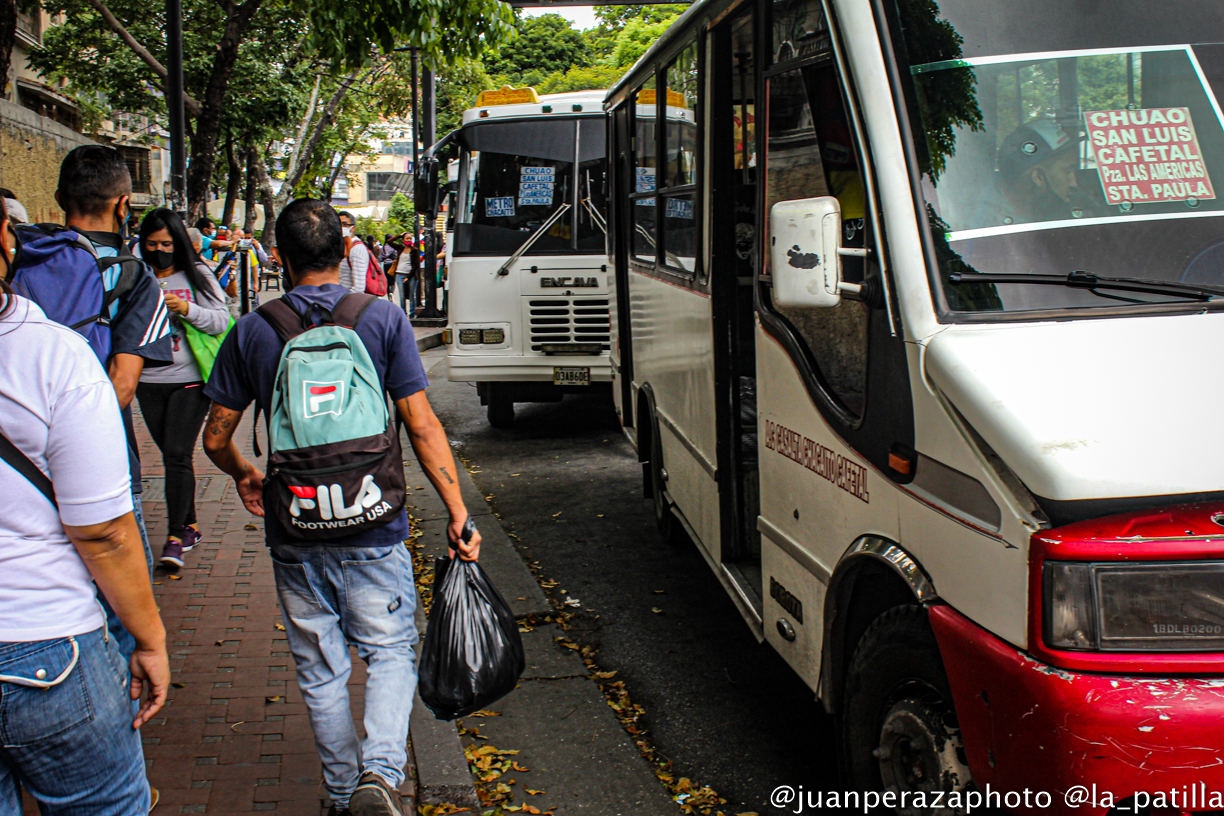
x=191, y=537
x=172, y=553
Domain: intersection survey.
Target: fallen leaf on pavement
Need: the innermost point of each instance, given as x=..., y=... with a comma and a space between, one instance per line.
x=280, y=626
x=176, y=577
x=249, y=527
x=534, y=792
x=483, y=713
x=656, y=610
x=559, y=512
x=605, y=675
x=220, y=642
x=177, y=685
x=519, y=767
x=234, y=727
x=274, y=699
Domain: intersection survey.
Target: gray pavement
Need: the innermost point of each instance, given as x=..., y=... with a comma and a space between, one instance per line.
x=577, y=757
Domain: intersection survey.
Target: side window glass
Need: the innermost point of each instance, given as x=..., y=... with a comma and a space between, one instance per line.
x=811, y=152
x=680, y=171
x=645, y=167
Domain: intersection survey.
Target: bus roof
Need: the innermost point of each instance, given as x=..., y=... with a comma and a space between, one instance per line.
x=561, y=104
x=675, y=30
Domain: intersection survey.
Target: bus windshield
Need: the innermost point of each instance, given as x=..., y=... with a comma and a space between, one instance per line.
x=514, y=176
x=1061, y=137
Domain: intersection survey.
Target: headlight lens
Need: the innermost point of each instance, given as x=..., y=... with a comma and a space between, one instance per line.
x=469, y=337
x=492, y=337
x=1138, y=606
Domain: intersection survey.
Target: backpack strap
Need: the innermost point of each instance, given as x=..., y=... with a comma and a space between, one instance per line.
x=351, y=308
x=131, y=269
x=22, y=464
x=283, y=318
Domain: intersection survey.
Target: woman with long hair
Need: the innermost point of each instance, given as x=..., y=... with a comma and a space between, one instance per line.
x=172, y=397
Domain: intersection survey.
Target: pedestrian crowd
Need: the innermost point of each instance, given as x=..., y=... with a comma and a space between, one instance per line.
x=100, y=312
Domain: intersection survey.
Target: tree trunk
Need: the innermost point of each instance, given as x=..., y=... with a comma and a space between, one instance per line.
x=252, y=186
x=8, y=36
x=233, y=183
x=208, y=125
x=295, y=170
x=265, y=194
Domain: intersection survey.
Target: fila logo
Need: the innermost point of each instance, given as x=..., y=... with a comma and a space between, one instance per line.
x=322, y=398
x=328, y=500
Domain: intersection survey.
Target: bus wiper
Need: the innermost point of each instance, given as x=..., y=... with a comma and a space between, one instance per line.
x=518, y=253
x=1085, y=280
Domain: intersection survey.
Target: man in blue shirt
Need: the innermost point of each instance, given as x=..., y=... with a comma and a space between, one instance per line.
x=358, y=589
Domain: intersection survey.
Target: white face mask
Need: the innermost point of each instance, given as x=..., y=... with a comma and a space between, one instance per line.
x=347, y=232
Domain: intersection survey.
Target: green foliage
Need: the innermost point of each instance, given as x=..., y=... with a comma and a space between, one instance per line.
x=615, y=18
x=457, y=88
x=636, y=38
x=585, y=78
x=544, y=45
x=947, y=97
x=401, y=210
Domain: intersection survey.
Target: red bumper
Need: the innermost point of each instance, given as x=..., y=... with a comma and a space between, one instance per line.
x=1028, y=725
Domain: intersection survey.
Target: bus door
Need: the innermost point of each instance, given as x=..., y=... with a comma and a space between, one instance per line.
x=731, y=167
x=836, y=411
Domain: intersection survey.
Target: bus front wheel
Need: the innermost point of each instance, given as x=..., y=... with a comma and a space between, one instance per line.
x=898, y=726
x=501, y=406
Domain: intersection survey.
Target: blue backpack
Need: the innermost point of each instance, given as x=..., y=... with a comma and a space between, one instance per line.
x=60, y=271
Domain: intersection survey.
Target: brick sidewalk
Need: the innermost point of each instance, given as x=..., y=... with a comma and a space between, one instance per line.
x=234, y=736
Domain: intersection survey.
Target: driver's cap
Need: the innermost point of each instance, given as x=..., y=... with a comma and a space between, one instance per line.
x=1029, y=145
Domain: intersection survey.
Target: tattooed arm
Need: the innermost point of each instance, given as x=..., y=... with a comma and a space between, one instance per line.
x=433, y=451
x=220, y=447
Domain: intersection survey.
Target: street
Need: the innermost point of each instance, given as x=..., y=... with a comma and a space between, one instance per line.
x=724, y=709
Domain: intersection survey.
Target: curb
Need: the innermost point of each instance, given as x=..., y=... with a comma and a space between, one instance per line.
x=428, y=341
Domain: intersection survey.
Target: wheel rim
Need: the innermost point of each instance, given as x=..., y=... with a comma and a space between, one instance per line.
x=920, y=749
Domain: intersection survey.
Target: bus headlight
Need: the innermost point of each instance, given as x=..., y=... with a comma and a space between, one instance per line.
x=492, y=337
x=1134, y=606
x=469, y=337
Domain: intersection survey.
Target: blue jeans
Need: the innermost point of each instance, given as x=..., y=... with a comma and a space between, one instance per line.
x=334, y=596
x=121, y=636
x=414, y=295
x=72, y=746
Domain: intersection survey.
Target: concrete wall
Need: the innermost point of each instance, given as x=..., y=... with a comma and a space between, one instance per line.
x=31, y=150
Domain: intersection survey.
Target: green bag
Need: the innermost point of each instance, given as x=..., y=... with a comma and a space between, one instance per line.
x=205, y=346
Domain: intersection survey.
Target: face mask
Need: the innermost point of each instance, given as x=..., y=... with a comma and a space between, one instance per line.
x=160, y=259
x=347, y=232
x=122, y=222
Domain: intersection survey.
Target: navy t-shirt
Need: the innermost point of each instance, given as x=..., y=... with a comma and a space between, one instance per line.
x=245, y=371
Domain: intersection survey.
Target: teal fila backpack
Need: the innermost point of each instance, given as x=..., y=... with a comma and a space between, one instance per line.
x=334, y=462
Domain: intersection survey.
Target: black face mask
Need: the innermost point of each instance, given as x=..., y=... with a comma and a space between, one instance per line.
x=160, y=259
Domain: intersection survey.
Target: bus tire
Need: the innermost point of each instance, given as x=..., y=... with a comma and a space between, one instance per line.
x=898, y=727
x=501, y=407
x=665, y=519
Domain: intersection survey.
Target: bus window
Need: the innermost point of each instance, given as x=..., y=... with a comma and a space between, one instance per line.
x=517, y=175
x=644, y=168
x=592, y=184
x=811, y=153
x=680, y=173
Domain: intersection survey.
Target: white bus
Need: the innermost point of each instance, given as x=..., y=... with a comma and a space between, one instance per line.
x=914, y=339
x=529, y=280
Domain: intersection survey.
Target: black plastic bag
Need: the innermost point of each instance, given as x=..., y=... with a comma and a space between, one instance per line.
x=472, y=653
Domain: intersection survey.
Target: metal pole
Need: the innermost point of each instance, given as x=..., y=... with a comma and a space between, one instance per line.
x=429, y=266
x=174, y=104
x=244, y=280
x=416, y=163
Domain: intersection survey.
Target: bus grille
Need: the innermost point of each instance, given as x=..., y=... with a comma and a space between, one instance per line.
x=568, y=321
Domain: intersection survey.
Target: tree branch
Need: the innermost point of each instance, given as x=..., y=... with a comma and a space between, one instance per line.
x=193, y=107
x=329, y=112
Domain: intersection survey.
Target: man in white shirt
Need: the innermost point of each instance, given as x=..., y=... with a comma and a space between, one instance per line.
x=67, y=530
x=356, y=257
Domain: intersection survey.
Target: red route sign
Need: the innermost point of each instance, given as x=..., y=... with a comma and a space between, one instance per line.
x=1147, y=156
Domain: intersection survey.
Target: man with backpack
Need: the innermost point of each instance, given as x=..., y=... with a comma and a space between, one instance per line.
x=84, y=277
x=320, y=362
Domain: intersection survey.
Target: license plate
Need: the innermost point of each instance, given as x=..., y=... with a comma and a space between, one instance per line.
x=571, y=376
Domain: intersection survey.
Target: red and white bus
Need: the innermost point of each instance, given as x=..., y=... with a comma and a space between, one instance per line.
x=913, y=333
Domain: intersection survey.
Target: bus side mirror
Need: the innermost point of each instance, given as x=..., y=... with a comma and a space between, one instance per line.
x=806, y=254
x=425, y=191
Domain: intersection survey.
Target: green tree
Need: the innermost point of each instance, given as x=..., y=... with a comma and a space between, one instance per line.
x=457, y=89
x=544, y=45
x=281, y=43
x=585, y=78
x=636, y=38
x=401, y=209
x=615, y=18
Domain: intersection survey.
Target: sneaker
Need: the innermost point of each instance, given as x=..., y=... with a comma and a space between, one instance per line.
x=191, y=537
x=375, y=797
x=172, y=553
